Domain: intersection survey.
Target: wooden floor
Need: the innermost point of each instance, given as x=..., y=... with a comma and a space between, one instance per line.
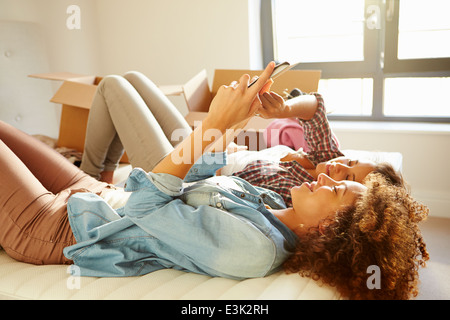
x=435, y=278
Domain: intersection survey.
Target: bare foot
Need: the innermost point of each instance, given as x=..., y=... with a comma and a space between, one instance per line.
x=107, y=176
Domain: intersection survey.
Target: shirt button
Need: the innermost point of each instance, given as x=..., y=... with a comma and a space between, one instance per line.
x=242, y=195
x=218, y=205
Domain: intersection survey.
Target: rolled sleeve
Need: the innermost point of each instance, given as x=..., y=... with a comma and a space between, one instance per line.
x=319, y=136
x=206, y=166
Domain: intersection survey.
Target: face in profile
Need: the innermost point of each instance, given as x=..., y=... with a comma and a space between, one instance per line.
x=315, y=201
x=346, y=169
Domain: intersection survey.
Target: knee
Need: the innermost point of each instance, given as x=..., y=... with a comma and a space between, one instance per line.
x=110, y=81
x=138, y=79
x=134, y=75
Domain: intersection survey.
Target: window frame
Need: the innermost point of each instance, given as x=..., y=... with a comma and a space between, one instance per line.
x=380, y=60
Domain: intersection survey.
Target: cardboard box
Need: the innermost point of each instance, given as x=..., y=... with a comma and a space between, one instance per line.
x=198, y=97
x=75, y=95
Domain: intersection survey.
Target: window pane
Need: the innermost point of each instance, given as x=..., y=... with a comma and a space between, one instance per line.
x=318, y=30
x=347, y=96
x=417, y=97
x=424, y=29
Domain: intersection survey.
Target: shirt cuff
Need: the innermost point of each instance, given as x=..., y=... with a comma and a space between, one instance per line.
x=206, y=166
x=321, y=113
x=164, y=182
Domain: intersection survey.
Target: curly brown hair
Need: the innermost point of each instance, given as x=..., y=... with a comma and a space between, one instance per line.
x=390, y=174
x=380, y=230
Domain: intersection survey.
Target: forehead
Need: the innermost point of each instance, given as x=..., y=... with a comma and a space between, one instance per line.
x=353, y=188
x=348, y=193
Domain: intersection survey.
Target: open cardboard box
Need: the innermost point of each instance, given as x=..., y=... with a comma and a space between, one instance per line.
x=198, y=97
x=75, y=95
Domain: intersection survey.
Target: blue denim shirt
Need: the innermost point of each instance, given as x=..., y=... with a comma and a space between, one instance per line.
x=203, y=225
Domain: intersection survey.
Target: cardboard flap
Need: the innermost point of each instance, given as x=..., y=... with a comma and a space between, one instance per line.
x=75, y=94
x=67, y=76
x=171, y=90
x=57, y=76
x=305, y=80
x=197, y=93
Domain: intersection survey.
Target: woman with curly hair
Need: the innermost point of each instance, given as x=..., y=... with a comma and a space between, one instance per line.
x=380, y=231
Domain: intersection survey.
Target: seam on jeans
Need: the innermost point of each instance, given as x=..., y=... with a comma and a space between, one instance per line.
x=16, y=253
x=27, y=234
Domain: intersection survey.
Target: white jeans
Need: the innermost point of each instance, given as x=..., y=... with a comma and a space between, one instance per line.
x=130, y=112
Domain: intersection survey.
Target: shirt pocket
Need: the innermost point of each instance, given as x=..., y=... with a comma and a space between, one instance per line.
x=197, y=198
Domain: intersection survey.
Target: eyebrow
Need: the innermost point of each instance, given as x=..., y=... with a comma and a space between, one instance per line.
x=356, y=162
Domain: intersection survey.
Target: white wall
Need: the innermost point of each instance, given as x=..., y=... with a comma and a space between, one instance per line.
x=68, y=50
x=172, y=40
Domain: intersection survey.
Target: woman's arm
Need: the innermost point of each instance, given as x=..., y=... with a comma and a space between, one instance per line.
x=231, y=108
x=303, y=107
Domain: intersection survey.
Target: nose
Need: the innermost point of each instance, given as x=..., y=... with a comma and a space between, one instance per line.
x=324, y=180
x=339, y=166
x=339, y=170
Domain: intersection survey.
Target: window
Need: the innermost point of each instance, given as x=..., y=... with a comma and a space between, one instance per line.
x=308, y=35
x=380, y=59
x=417, y=97
x=359, y=103
x=422, y=27
x=417, y=36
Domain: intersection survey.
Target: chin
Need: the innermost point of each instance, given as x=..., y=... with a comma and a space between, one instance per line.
x=299, y=191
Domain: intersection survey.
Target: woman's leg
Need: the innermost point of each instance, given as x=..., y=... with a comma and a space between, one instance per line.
x=173, y=124
x=35, y=184
x=119, y=111
x=34, y=227
x=50, y=168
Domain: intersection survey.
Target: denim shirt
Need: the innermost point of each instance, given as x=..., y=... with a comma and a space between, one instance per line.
x=216, y=226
